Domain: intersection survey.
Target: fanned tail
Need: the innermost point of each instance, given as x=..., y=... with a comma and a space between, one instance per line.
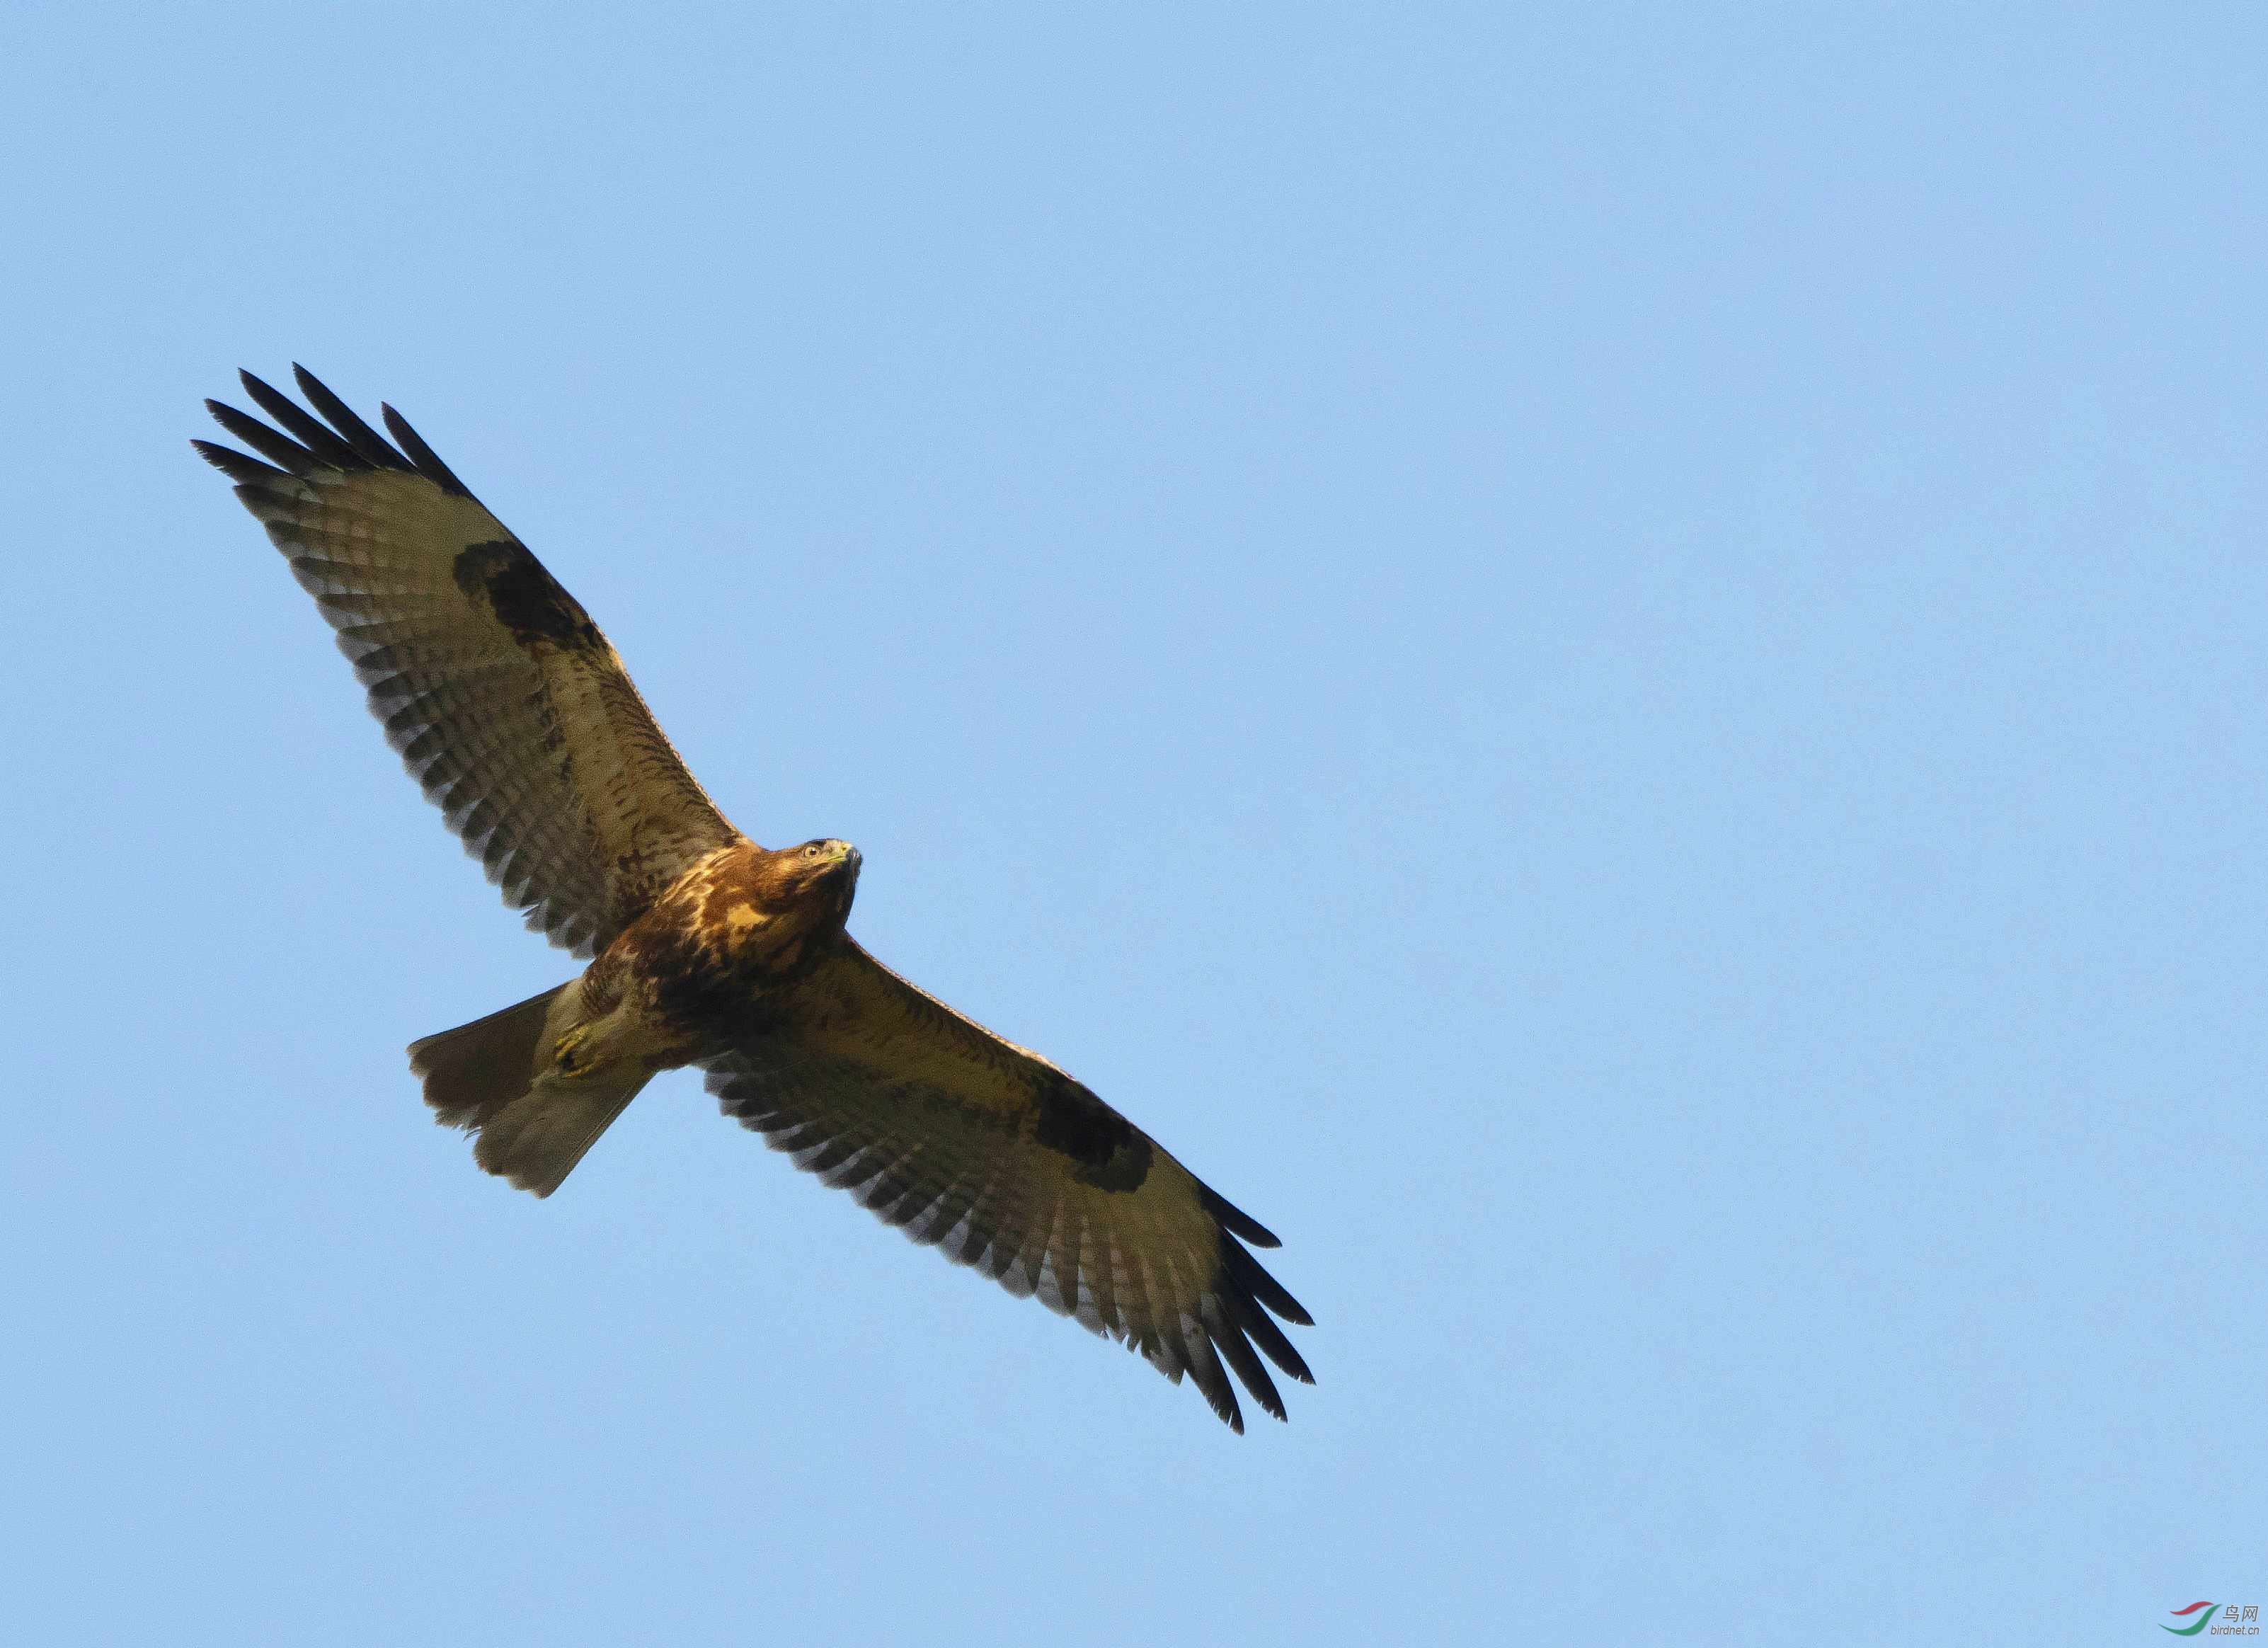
x=492, y=1077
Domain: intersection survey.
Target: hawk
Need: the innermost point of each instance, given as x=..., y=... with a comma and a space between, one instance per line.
x=517, y=719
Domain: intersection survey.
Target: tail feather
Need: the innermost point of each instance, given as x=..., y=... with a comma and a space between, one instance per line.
x=491, y=1077
x=473, y=1072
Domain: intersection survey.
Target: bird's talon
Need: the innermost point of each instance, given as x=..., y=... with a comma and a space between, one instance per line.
x=563, y=1052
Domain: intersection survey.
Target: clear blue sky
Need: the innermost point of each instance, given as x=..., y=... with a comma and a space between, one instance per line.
x=1609, y=661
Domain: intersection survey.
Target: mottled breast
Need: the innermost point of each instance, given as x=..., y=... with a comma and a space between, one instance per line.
x=741, y=922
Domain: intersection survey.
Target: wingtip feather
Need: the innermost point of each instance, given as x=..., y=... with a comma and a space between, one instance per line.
x=422, y=456
x=367, y=443
x=1236, y=1218
x=241, y=467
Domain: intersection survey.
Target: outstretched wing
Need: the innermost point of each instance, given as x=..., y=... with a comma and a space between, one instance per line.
x=506, y=703
x=981, y=1148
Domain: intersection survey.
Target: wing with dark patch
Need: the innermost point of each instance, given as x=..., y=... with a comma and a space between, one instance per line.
x=986, y=1150
x=506, y=703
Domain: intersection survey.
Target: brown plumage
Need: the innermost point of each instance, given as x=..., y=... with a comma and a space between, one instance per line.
x=515, y=715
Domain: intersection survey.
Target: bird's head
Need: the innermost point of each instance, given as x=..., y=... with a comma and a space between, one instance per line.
x=767, y=908
x=816, y=880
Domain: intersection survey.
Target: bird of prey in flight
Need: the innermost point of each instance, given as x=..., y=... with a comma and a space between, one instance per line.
x=517, y=719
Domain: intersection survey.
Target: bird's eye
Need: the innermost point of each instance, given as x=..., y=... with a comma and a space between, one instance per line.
x=812, y=851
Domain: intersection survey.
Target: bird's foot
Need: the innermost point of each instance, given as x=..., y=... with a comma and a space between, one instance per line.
x=566, y=1053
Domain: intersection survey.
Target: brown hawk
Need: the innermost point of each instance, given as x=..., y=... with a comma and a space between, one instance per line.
x=517, y=719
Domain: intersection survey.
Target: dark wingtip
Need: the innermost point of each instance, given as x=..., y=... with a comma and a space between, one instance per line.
x=1235, y=1217
x=311, y=431
x=1230, y=1342
x=280, y=450
x=1247, y=1272
x=422, y=456
x=1218, y=1396
x=1200, y=1340
x=239, y=468
x=367, y=443
x=1270, y=1339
